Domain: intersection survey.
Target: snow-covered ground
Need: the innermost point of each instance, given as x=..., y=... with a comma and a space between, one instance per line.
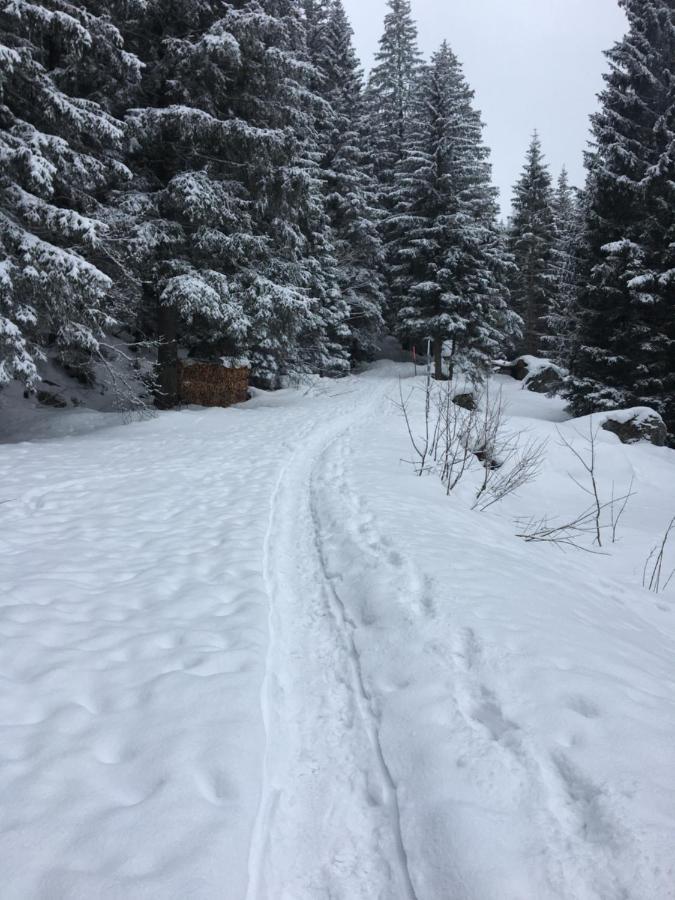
x=249, y=654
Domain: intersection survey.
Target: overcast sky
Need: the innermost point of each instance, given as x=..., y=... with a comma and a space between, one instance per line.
x=532, y=63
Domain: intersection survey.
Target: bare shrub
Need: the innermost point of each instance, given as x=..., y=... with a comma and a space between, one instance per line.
x=454, y=440
x=653, y=578
x=521, y=464
x=424, y=445
x=589, y=463
x=125, y=379
x=568, y=533
x=617, y=513
x=572, y=532
x=510, y=460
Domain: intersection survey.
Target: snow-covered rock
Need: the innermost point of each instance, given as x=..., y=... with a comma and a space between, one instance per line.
x=537, y=374
x=637, y=424
x=546, y=380
x=51, y=398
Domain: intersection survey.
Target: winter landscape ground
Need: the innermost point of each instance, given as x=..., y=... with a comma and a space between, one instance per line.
x=248, y=654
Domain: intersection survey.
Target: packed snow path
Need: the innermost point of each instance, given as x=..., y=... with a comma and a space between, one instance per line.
x=329, y=824
x=247, y=654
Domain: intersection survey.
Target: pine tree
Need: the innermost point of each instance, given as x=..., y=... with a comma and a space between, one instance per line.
x=561, y=318
x=531, y=240
x=316, y=16
x=445, y=246
x=227, y=213
x=59, y=154
x=626, y=355
x=350, y=192
x=392, y=81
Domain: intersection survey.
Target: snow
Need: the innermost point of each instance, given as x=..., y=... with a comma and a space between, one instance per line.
x=638, y=414
x=247, y=653
x=536, y=364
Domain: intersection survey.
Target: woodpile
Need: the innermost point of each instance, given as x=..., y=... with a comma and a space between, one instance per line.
x=212, y=383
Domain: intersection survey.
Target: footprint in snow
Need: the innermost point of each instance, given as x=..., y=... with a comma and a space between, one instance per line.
x=490, y=715
x=583, y=707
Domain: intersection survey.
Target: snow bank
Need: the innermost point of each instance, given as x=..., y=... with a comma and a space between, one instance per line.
x=526, y=696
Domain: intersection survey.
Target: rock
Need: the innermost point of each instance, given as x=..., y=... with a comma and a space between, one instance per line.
x=47, y=398
x=538, y=375
x=638, y=424
x=502, y=367
x=520, y=369
x=465, y=401
x=548, y=380
x=484, y=456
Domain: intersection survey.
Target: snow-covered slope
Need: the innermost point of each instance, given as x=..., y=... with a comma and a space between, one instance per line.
x=248, y=654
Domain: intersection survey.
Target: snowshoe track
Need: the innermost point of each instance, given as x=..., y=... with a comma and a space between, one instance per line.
x=327, y=787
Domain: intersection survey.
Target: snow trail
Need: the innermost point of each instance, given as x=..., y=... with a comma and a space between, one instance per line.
x=322, y=487
x=329, y=823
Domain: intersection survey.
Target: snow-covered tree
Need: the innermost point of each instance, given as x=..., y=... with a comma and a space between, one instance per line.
x=445, y=246
x=390, y=88
x=350, y=191
x=626, y=353
x=59, y=155
x=559, y=340
x=531, y=240
x=229, y=228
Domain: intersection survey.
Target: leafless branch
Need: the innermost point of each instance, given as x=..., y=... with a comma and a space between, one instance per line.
x=656, y=556
x=589, y=463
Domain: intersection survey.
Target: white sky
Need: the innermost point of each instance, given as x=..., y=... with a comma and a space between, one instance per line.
x=532, y=63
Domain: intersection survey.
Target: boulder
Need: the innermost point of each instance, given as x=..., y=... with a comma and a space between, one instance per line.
x=638, y=424
x=503, y=367
x=49, y=398
x=547, y=380
x=520, y=368
x=465, y=401
x=538, y=375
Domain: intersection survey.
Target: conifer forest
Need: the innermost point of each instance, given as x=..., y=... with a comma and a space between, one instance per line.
x=219, y=178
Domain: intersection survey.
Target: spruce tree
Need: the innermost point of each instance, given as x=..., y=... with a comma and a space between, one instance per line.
x=626, y=354
x=531, y=241
x=392, y=81
x=561, y=318
x=445, y=247
x=228, y=222
x=59, y=155
x=350, y=191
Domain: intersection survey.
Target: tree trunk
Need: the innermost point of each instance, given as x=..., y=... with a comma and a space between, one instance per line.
x=166, y=391
x=531, y=335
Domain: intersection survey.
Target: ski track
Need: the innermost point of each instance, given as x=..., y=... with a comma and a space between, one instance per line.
x=329, y=821
x=367, y=708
